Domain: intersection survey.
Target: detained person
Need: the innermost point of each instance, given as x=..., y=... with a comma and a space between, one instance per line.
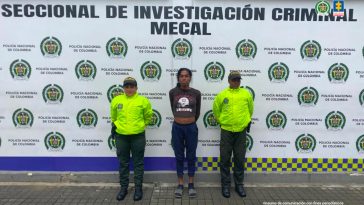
x=186, y=104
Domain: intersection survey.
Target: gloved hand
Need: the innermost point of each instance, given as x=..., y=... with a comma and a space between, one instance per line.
x=248, y=127
x=113, y=130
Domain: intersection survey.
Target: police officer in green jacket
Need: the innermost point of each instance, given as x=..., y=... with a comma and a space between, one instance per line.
x=233, y=108
x=130, y=114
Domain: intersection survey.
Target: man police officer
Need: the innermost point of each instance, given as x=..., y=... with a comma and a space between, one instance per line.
x=233, y=108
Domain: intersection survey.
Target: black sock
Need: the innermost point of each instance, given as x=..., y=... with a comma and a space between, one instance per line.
x=190, y=186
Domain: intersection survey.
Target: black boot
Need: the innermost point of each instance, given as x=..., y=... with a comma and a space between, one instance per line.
x=138, y=194
x=239, y=188
x=122, y=193
x=225, y=190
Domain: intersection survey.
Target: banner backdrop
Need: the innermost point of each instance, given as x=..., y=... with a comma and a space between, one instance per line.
x=63, y=61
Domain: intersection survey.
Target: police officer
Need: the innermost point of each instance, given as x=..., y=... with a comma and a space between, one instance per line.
x=233, y=109
x=130, y=114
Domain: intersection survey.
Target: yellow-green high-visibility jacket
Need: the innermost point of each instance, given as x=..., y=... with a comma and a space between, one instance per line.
x=130, y=114
x=233, y=109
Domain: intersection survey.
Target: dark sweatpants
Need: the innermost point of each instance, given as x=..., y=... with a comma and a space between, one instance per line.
x=185, y=136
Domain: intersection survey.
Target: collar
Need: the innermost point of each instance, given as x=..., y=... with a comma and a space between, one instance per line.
x=234, y=90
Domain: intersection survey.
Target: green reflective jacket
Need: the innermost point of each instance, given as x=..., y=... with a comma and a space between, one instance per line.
x=130, y=114
x=233, y=109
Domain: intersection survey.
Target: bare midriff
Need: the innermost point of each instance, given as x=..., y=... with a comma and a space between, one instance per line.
x=184, y=120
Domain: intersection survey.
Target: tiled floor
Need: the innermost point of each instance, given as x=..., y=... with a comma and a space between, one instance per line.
x=271, y=194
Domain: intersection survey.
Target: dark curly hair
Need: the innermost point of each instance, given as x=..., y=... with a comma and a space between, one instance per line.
x=179, y=74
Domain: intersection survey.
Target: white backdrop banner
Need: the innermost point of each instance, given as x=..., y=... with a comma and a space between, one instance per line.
x=61, y=62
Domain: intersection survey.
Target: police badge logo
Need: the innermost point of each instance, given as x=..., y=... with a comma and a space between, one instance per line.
x=116, y=48
x=308, y=96
x=305, y=143
x=360, y=144
x=278, y=72
x=23, y=118
x=210, y=121
x=111, y=144
x=249, y=143
x=310, y=50
x=114, y=91
x=214, y=72
x=54, y=141
x=276, y=120
x=251, y=91
x=155, y=121
x=335, y=121
x=338, y=73
x=151, y=71
x=52, y=94
x=51, y=47
x=361, y=98
x=20, y=70
x=87, y=118
x=323, y=8
x=85, y=70
x=181, y=49
x=246, y=49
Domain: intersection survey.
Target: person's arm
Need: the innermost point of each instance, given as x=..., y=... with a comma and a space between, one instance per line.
x=198, y=105
x=148, y=112
x=216, y=108
x=250, y=105
x=251, y=110
x=113, y=130
x=171, y=99
x=113, y=113
x=113, y=116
